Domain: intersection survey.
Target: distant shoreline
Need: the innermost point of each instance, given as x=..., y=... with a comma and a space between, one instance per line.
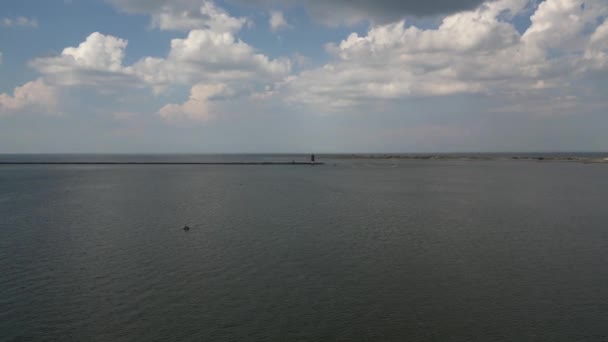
x=157, y=163
x=469, y=157
x=302, y=160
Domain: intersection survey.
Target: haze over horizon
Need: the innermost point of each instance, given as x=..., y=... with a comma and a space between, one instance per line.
x=236, y=76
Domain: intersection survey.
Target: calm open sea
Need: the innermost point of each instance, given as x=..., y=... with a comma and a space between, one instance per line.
x=369, y=250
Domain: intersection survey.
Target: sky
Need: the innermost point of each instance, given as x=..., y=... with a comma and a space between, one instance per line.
x=283, y=76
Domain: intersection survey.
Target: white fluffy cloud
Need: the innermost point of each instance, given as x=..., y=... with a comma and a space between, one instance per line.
x=98, y=52
x=212, y=56
x=35, y=95
x=19, y=22
x=596, y=52
x=561, y=24
x=206, y=16
x=217, y=64
x=208, y=59
x=199, y=106
x=205, y=54
x=97, y=62
x=183, y=15
x=277, y=21
x=477, y=51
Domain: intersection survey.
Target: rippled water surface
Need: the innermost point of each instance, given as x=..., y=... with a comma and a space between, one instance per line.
x=352, y=250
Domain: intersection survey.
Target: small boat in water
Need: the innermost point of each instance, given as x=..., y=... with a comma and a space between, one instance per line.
x=186, y=228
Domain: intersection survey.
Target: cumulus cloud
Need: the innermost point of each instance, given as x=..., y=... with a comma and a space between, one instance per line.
x=211, y=51
x=277, y=21
x=32, y=95
x=212, y=56
x=596, y=52
x=97, y=61
x=211, y=60
x=200, y=105
x=476, y=51
x=19, y=22
x=183, y=15
x=561, y=24
x=217, y=64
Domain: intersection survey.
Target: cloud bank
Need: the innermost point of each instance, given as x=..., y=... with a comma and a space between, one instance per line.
x=475, y=50
x=210, y=59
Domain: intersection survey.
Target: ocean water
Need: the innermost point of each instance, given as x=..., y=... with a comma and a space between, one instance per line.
x=354, y=250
